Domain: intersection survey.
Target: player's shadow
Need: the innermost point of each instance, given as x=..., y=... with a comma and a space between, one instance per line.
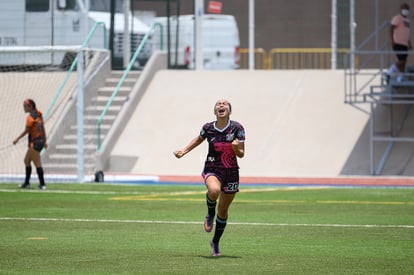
x=219, y=257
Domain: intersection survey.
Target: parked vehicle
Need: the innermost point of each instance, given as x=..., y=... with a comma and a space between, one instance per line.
x=220, y=41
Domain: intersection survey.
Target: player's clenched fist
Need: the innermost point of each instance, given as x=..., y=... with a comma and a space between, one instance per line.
x=178, y=153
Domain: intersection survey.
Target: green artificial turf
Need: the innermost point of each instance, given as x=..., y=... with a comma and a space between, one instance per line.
x=157, y=229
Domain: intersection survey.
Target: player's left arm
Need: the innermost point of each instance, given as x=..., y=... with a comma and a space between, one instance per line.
x=238, y=147
x=238, y=142
x=25, y=132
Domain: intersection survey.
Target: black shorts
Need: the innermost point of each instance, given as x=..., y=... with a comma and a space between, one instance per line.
x=37, y=144
x=229, y=178
x=402, y=52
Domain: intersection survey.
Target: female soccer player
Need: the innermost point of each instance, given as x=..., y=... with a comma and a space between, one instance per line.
x=225, y=139
x=37, y=141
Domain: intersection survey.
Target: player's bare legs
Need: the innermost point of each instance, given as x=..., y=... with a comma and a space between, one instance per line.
x=213, y=192
x=28, y=168
x=213, y=187
x=225, y=200
x=33, y=156
x=224, y=204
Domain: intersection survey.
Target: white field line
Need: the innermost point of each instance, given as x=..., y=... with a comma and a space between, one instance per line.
x=86, y=192
x=148, y=196
x=193, y=222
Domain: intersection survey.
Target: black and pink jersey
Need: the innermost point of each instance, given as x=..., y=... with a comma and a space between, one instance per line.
x=220, y=151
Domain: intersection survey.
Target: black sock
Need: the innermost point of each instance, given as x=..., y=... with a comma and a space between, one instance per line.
x=211, y=206
x=40, y=175
x=28, y=175
x=220, y=225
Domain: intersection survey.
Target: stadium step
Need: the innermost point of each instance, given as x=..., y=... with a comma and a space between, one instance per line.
x=75, y=137
x=113, y=82
x=97, y=112
x=103, y=100
x=93, y=119
x=108, y=90
x=90, y=129
x=72, y=148
x=63, y=157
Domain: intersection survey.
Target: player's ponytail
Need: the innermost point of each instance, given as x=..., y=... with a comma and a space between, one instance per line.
x=30, y=102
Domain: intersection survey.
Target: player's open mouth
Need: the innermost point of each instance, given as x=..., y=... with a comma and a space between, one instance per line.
x=221, y=111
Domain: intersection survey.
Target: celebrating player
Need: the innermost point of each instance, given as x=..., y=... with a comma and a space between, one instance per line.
x=225, y=138
x=37, y=141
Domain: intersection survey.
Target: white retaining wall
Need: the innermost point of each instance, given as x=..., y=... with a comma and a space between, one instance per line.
x=296, y=123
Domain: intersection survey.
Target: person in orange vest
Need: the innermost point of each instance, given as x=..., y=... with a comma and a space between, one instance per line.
x=35, y=129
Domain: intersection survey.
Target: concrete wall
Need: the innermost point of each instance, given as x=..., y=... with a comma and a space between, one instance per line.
x=296, y=125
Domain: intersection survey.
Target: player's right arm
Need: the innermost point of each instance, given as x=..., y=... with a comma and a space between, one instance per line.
x=193, y=144
x=25, y=132
x=392, y=28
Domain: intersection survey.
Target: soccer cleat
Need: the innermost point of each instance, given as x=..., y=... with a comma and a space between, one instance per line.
x=208, y=223
x=215, y=251
x=24, y=186
x=42, y=187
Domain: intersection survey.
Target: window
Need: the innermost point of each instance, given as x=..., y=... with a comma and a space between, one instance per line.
x=37, y=5
x=105, y=5
x=70, y=5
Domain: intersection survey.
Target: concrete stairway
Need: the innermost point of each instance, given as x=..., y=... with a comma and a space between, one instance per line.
x=62, y=159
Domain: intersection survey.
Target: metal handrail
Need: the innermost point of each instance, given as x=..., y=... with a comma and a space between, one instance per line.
x=74, y=63
x=124, y=75
x=370, y=37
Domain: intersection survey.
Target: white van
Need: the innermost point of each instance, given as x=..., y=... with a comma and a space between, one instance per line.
x=64, y=22
x=221, y=41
